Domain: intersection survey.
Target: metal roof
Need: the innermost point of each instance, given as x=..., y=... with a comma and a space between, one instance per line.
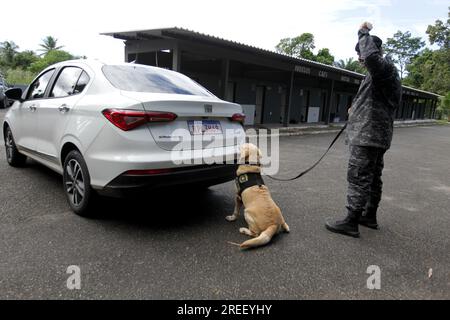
x=173, y=32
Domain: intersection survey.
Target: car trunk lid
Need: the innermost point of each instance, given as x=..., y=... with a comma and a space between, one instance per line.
x=201, y=123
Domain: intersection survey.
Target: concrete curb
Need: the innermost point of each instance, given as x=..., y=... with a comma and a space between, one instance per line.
x=335, y=128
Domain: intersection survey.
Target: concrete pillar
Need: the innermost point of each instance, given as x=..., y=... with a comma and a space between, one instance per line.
x=430, y=110
x=176, y=59
x=330, y=102
x=406, y=108
x=224, y=77
x=434, y=109
x=287, y=108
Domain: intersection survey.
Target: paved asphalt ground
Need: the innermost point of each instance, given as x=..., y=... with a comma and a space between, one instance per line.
x=175, y=245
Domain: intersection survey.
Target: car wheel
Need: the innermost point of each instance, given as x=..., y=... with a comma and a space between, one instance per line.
x=13, y=156
x=3, y=103
x=77, y=185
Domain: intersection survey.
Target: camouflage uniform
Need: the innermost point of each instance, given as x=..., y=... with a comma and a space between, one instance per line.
x=364, y=178
x=370, y=126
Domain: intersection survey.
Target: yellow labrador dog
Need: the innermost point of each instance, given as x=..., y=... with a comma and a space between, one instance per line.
x=263, y=216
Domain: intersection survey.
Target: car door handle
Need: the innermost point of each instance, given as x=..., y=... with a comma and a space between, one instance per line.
x=32, y=108
x=63, y=108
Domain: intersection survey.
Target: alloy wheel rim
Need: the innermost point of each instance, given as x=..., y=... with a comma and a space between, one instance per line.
x=9, y=145
x=75, y=186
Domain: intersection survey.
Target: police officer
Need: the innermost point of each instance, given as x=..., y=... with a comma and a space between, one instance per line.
x=369, y=134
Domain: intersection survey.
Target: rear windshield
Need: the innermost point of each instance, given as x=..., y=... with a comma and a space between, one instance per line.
x=142, y=79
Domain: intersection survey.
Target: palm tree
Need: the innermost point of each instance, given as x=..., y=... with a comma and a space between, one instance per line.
x=344, y=64
x=350, y=64
x=48, y=44
x=8, y=50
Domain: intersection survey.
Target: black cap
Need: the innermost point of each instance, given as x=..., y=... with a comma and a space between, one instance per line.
x=378, y=42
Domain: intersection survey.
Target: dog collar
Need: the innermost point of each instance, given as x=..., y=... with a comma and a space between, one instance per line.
x=251, y=164
x=247, y=180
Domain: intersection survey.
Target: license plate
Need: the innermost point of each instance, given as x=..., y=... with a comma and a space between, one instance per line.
x=204, y=127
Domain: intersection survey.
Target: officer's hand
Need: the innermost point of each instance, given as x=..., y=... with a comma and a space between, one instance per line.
x=349, y=111
x=366, y=25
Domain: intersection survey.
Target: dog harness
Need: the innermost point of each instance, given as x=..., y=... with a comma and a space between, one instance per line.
x=247, y=180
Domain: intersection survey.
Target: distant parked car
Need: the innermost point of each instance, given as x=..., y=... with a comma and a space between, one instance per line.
x=4, y=103
x=112, y=129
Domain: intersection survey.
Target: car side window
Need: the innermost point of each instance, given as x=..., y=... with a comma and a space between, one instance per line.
x=82, y=82
x=66, y=82
x=37, y=88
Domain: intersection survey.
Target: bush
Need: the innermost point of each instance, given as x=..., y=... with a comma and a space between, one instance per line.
x=19, y=76
x=444, y=107
x=53, y=56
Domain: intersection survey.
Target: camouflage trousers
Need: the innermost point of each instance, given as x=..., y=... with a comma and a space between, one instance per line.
x=365, y=167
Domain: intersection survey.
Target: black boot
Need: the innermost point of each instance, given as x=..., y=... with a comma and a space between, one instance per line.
x=369, y=218
x=348, y=226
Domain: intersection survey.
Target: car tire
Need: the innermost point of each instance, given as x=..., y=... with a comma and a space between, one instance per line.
x=3, y=103
x=13, y=156
x=77, y=185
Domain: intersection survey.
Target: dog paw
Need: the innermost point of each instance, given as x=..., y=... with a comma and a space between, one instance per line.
x=245, y=231
x=231, y=218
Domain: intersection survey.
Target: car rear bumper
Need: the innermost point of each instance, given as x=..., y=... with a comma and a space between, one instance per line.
x=129, y=185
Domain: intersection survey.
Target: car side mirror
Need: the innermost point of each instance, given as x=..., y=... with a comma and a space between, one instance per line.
x=14, y=94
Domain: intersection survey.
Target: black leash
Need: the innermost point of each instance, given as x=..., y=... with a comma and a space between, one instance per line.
x=317, y=162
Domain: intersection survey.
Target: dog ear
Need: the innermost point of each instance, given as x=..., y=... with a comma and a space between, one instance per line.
x=253, y=153
x=244, y=152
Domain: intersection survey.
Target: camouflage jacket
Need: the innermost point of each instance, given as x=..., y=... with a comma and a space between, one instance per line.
x=372, y=115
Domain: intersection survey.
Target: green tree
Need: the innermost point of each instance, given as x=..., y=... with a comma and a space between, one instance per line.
x=24, y=59
x=402, y=47
x=298, y=47
x=430, y=70
x=8, y=49
x=444, y=106
x=324, y=56
x=49, y=44
x=302, y=47
x=351, y=65
x=53, y=56
x=418, y=69
x=439, y=33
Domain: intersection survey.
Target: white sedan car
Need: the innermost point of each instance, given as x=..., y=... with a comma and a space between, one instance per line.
x=119, y=129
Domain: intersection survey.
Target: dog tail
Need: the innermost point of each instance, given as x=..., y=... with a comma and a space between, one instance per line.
x=285, y=227
x=262, y=239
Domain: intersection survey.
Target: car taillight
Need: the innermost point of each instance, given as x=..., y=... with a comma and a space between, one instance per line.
x=238, y=117
x=130, y=119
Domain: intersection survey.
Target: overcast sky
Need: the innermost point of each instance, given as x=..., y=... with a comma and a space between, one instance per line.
x=77, y=23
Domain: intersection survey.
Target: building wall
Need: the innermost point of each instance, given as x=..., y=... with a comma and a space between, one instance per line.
x=297, y=105
x=272, y=105
x=205, y=65
x=209, y=81
x=245, y=91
